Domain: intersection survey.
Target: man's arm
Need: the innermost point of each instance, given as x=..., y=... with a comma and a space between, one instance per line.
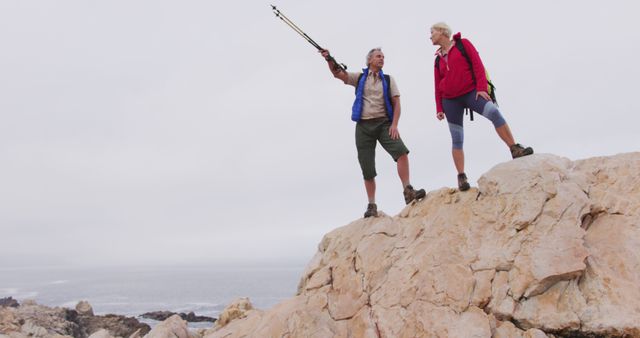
x=393, y=130
x=337, y=72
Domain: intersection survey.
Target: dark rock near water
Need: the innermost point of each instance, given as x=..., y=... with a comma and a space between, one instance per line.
x=8, y=302
x=118, y=326
x=157, y=315
x=190, y=317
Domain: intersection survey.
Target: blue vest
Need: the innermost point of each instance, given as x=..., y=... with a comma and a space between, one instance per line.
x=356, y=111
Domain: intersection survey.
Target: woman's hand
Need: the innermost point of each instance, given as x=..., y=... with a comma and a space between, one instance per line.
x=440, y=115
x=484, y=95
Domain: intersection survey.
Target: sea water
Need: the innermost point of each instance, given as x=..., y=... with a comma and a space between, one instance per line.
x=132, y=291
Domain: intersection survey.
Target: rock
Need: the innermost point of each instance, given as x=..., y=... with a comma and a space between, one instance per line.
x=84, y=308
x=136, y=334
x=35, y=320
x=193, y=318
x=8, y=302
x=40, y=319
x=9, y=322
x=237, y=309
x=170, y=328
x=543, y=247
x=116, y=325
x=189, y=317
x=32, y=329
x=534, y=333
x=158, y=315
x=101, y=334
x=507, y=330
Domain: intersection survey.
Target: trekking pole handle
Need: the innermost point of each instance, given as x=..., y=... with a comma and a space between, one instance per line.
x=336, y=65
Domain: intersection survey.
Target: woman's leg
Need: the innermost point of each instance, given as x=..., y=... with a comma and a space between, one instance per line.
x=453, y=110
x=489, y=110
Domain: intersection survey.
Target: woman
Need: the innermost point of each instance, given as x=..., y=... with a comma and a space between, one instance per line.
x=457, y=89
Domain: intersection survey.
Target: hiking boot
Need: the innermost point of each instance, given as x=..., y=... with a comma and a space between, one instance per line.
x=372, y=210
x=463, y=185
x=411, y=194
x=517, y=150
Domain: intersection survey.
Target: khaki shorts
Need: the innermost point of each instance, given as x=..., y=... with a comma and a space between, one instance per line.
x=368, y=133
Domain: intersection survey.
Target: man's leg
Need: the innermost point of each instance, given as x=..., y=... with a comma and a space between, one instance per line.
x=403, y=169
x=366, y=145
x=370, y=186
x=399, y=153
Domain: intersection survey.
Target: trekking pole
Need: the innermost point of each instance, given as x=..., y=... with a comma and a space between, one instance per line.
x=293, y=26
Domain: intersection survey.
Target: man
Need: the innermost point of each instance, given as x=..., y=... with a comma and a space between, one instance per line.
x=377, y=111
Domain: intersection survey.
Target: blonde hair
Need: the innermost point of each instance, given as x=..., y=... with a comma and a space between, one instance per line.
x=370, y=54
x=442, y=28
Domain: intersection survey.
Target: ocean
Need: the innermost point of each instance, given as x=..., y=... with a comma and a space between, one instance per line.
x=132, y=291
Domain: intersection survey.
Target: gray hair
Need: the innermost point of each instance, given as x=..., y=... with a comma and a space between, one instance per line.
x=442, y=28
x=370, y=54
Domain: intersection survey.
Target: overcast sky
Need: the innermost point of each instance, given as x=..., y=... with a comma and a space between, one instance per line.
x=150, y=132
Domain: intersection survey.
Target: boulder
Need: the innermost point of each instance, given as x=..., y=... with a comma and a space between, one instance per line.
x=8, y=302
x=543, y=247
x=116, y=325
x=237, y=309
x=189, y=317
x=173, y=327
x=9, y=322
x=84, y=308
x=102, y=333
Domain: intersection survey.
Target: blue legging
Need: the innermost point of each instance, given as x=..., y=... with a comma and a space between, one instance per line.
x=454, y=110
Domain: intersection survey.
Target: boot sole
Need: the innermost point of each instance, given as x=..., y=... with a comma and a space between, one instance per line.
x=420, y=194
x=526, y=152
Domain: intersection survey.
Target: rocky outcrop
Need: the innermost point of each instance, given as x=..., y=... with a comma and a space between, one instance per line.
x=543, y=247
x=8, y=302
x=42, y=321
x=116, y=325
x=237, y=309
x=173, y=327
x=189, y=317
x=83, y=308
x=31, y=319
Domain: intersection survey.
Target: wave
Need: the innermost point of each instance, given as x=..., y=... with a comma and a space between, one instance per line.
x=201, y=309
x=58, y=282
x=18, y=294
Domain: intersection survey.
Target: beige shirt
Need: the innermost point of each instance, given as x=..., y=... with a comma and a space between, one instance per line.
x=373, y=100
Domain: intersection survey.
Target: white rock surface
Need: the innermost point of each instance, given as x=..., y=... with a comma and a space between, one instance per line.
x=544, y=246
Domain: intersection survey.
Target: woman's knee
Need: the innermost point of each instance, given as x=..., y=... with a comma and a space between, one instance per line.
x=492, y=112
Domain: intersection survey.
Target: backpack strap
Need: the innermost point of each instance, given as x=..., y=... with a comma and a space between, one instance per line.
x=460, y=47
x=464, y=53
